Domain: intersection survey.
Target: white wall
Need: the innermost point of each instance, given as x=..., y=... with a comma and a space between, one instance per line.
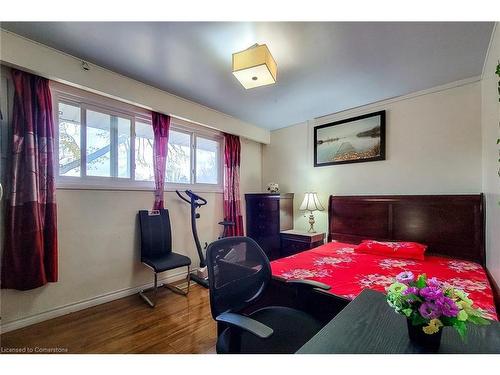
x=99, y=248
x=98, y=240
x=433, y=146
x=490, y=118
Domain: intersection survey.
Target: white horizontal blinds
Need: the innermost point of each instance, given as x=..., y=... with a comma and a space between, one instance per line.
x=111, y=146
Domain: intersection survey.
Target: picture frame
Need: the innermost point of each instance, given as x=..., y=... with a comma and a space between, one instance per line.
x=353, y=140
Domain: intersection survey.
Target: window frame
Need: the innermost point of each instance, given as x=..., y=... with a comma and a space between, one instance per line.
x=187, y=127
x=95, y=102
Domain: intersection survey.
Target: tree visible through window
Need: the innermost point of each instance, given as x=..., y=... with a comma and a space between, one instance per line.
x=179, y=158
x=120, y=148
x=69, y=140
x=144, y=139
x=207, y=156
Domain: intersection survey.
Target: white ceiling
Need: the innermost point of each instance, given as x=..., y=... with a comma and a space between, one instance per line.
x=322, y=67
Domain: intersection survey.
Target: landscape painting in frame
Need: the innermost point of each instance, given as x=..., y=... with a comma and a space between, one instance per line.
x=353, y=140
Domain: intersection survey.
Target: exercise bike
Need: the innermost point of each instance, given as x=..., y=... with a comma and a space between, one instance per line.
x=195, y=201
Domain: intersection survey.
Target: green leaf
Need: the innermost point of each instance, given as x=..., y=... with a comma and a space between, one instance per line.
x=421, y=281
x=462, y=315
x=461, y=328
x=407, y=312
x=417, y=320
x=445, y=320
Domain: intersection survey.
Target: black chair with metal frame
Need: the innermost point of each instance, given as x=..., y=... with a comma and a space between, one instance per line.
x=156, y=251
x=238, y=273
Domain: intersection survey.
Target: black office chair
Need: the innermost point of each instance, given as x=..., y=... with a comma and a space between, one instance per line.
x=156, y=251
x=238, y=273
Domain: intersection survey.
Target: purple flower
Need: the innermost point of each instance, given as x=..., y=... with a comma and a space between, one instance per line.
x=411, y=290
x=434, y=282
x=447, y=306
x=429, y=310
x=405, y=277
x=431, y=293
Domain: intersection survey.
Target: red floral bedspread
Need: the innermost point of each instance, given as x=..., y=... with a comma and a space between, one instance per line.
x=348, y=273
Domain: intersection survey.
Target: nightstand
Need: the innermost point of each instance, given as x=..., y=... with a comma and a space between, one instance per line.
x=294, y=241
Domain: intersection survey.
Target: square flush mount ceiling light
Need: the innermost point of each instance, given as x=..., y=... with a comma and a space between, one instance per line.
x=255, y=67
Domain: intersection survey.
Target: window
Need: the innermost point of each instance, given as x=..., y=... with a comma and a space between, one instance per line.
x=103, y=143
x=69, y=140
x=108, y=145
x=207, y=156
x=179, y=158
x=144, y=139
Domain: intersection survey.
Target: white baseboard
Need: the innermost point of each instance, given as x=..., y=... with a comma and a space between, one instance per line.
x=84, y=304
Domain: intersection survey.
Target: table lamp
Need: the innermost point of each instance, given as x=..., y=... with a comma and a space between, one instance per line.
x=311, y=203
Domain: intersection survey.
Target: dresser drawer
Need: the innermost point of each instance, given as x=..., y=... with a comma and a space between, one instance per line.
x=293, y=242
x=290, y=247
x=265, y=228
x=263, y=205
x=261, y=216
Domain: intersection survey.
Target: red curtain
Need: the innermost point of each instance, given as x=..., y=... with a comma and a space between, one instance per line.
x=232, y=204
x=30, y=254
x=161, y=126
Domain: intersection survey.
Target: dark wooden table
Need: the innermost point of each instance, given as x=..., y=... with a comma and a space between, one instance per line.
x=369, y=325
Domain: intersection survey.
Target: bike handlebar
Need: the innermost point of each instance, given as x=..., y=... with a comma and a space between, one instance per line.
x=194, y=198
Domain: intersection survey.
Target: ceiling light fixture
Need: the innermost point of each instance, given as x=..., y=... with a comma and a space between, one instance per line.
x=255, y=66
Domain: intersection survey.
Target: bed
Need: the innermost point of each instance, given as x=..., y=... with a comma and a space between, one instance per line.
x=451, y=225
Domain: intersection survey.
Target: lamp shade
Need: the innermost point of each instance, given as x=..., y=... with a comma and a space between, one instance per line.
x=311, y=203
x=255, y=67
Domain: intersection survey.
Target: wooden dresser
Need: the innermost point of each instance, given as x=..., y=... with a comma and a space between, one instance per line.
x=266, y=216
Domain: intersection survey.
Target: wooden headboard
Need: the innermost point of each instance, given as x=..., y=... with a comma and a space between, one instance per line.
x=451, y=225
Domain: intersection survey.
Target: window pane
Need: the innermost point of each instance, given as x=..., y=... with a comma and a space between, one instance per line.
x=98, y=144
x=179, y=157
x=69, y=140
x=207, y=156
x=123, y=148
x=144, y=152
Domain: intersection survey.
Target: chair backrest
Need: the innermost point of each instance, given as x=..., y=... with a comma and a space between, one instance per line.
x=156, y=234
x=238, y=273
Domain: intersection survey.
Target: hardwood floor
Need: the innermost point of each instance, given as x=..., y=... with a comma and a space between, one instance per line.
x=177, y=324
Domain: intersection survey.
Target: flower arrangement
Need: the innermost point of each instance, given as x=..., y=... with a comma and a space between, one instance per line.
x=431, y=304
x=273, y=187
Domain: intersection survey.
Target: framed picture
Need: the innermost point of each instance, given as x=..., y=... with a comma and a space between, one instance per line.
x=354, y=140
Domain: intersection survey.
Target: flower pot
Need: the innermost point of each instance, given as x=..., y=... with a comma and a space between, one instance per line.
x=427, y=342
